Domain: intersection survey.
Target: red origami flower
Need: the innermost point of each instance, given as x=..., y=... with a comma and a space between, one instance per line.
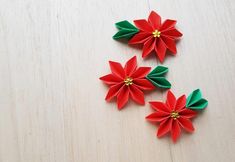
x=127, y=81
x=172, y=115
x=156, y=36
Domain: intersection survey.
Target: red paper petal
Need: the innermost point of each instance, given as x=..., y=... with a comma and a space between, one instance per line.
x=144, y=84
x=110, y=79
x=187, y=113
x=171, y=100
x=155, y=20
x=180, y=103
x=113, y=91
x=170, y=44
x=173, y=33
x=175, y=131
x=186, y=124
x=164, y=127
x=157, y=116
x=130, y=66
x=148, y=47
x=141, y=72
x=143, y=25
x=160, y=49
x=167, y=24
x=117, y=69
x=122, y=97
x=140, y=37
x=137, y=95
x=159, y=106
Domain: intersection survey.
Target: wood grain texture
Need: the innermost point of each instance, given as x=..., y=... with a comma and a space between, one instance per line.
x=52, y=106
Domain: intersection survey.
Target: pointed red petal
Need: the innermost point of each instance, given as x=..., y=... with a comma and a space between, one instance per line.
x=186, y=124
x=148, y=47
x=170, y=44
x=180, y=103
x=113, y=91
x=171, y=100
x=130, y=66
x=143, y=25
x=110, y=79
x=187, y=113
x=157, y=116
x=155, y=20
x=167, y=24
x=137, y=95
x=159, y=106
x=117, y=69
x=144, y=84
x=141, y=72
x=140, y=37
x=164, y=127
x=160, y=49
x=175, y=131
x=122, y=97
x=173, y=33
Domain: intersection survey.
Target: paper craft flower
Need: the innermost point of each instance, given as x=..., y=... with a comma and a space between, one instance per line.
x=172, y=115
x=127, y=81
x=156, y=36
x=152, y=33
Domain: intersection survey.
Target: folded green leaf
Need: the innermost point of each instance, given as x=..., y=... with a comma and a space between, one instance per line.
x=194, y=97
x=201, y=104
x=124, y=34
x=195, y=101
x=125, y=25
x=126, y=30
x=159, y=82
x=158, y=71
x=156, y=77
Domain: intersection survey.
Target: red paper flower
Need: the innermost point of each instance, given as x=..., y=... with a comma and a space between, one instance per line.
x=156, y=36
x=127, y=81
x=172, y=115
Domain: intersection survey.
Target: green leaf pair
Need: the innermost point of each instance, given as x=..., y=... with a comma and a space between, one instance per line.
x=156, y=77
x=126, y=30
x=195, y=101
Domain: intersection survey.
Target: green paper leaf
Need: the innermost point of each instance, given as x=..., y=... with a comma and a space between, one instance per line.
x=126, y=30
x=156, y=77
x=125, y=25
x=194, y=97
x=124, y=34
x=158, y=71
x=195, y=101
x=159, y=82
x=201, y=104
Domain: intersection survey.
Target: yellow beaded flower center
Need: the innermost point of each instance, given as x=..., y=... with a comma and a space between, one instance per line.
x=156, y=33
x=128, y=81
x=175, y=115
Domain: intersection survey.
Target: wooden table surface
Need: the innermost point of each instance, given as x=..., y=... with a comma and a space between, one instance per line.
x=52, y=106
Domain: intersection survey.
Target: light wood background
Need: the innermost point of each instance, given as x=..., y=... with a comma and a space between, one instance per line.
x=52, y=106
